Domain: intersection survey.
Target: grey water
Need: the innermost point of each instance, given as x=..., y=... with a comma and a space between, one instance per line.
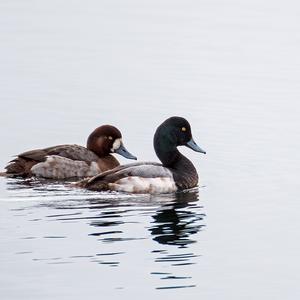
x=232, y=68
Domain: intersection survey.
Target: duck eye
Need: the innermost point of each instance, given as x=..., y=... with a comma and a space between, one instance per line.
x=183, y=129
x=110, y=138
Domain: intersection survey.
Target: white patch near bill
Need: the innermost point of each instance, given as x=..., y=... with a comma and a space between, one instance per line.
x=116, y=145
x=58, y=167
x=135, y=184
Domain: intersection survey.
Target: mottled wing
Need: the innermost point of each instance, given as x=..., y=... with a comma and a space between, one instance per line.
x=74, y=152
x=142, y=169
x=22, y=164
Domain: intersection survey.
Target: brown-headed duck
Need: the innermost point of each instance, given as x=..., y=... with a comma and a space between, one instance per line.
x=69, y=161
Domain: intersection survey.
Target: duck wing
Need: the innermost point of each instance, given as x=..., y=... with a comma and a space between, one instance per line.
x=135, y=177
x=74, y=152
x=22, y=165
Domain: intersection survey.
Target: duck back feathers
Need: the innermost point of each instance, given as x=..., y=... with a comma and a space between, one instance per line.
x=68, y=161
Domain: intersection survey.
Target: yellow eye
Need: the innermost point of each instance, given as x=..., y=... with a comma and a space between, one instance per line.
x=183, y=129
x=110, y=138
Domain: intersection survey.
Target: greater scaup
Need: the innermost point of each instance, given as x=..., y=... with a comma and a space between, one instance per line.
x=69, y=161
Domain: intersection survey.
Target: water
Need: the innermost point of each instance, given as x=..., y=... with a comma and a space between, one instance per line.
x=232, y=69
x=68, y=231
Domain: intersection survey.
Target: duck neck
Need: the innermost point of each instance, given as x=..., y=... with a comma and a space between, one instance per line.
x=170, y=158
x=168, y=153
x=184, y=173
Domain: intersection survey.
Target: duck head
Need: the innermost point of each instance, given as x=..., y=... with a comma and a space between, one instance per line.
x=173, y=132
x=107, y=139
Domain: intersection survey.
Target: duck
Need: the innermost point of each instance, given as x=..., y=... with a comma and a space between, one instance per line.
x=70, y=160
x=175, y=172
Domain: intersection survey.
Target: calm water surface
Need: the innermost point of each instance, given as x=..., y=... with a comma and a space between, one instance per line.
x=232, y=69
x=53, y=231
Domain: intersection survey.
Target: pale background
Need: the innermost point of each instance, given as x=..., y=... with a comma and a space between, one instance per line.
x=230, y=67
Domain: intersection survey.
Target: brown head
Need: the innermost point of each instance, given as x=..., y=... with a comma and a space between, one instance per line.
x=107, y=139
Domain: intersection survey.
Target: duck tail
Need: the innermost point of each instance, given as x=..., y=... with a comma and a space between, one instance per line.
x=3, y=174
x=99, y=186
x=90, y=185
x=80, y=184
x=19, y=167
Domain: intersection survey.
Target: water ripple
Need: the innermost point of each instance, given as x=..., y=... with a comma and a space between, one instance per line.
x=109, y=229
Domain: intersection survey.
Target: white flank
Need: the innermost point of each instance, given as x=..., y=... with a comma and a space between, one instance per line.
x=135, y=184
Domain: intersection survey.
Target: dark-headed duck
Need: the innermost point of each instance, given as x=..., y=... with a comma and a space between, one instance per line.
x=69, y=161
x=175, y=173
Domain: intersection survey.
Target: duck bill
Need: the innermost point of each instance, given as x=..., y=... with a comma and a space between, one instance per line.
x=192, y=144
x=124, y=152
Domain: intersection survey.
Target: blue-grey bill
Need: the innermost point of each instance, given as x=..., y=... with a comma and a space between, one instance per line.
x=191, y=144
x=124, y=152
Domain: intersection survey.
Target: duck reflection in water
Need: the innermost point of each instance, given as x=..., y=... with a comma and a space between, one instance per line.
x=173, y=224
